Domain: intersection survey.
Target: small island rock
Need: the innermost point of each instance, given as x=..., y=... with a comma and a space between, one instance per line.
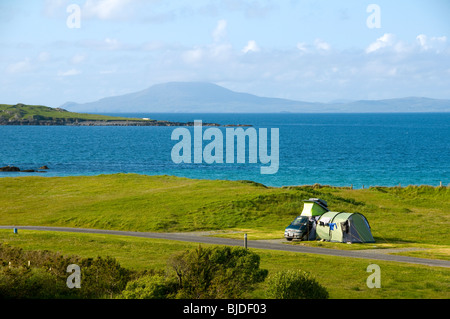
x=9, y=169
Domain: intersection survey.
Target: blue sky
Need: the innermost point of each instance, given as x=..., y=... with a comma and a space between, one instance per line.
x=310, y=50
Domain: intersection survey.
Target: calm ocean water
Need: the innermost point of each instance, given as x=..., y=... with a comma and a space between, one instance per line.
x=335, y=149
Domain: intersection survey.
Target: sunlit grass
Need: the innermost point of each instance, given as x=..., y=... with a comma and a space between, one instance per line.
x=414, y=216
x=342, y=277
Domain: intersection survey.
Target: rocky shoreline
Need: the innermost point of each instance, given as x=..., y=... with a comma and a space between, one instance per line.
x=21, y=114
x=79, y=122
x=8, y=168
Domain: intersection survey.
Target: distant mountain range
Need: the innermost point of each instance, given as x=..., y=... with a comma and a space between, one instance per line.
x=199, y=97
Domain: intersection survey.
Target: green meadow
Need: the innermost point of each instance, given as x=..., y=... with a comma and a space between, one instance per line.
x=29, y=112
x=344, y=278
x=414, y=217
x=408, y=216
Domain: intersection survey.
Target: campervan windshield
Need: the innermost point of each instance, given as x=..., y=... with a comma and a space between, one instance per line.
x=300, y=221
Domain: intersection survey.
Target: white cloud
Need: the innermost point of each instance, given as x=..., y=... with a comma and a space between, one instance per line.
x=70, y=72
x=218, y=51
x=386, y=40
x=251, y=46
x=193, y=56
x=422, y=39
x=208, y=54
x=112, y=44
x=220, y=32
x=322, y=45
x=423, y=43
x=318, y=46
x=302, y=47
x=322, y=70
x=436, y=43
x=20, y=67
x=108, y=44
x=106, y=9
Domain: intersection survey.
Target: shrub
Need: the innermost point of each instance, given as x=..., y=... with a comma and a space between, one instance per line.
x=102, y=277
x=213, y=273
x=149, y=287
x=297, y=284
x=47, y=274
x=31, y=283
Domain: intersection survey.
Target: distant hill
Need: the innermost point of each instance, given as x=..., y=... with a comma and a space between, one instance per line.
x=200, y=97
x=402, y=105
x=39, y=114
x=22, y=114
x=191, y=97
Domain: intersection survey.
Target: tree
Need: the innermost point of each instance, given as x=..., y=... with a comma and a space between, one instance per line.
x=219, y=272
x=294, y=284
x=102, y=277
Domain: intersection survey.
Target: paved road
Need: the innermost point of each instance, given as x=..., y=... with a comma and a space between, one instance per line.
x=259, y=244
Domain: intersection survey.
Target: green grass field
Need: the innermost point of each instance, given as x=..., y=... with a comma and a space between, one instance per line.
x=21, y=111
x=342, y=277
x=407, y=217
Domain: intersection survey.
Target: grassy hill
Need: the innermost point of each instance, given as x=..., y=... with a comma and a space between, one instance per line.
x=21, y=114
x=400, y=217
x=407, y=217
x=33, y=113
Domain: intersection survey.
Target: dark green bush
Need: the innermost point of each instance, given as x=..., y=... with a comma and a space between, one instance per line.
x=150, y=287
x=292, y=284
x=32, y=283
x=102, y=277
x=213, y=273
x=216, y=273
x=43, y=275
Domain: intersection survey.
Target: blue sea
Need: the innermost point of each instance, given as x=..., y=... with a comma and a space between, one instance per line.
x=333, y=149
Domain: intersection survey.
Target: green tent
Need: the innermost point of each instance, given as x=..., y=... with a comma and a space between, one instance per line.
x=314, y=207
x=344, y=228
